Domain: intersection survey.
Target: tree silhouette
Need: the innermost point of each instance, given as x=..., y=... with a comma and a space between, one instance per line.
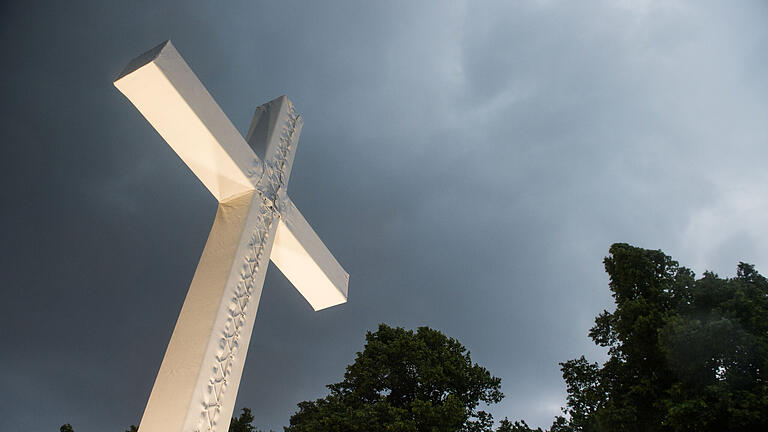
x=684, y=354
x=405, y=381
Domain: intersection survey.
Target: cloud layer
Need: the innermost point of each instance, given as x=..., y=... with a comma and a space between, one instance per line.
x=468, y=163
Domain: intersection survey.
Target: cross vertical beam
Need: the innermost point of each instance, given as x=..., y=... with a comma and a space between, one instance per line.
x=196, y=386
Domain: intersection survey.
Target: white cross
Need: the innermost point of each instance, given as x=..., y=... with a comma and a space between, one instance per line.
x=197, y=384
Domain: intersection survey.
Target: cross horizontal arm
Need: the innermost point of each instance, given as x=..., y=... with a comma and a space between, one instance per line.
x=174, y=101
x=303, y=258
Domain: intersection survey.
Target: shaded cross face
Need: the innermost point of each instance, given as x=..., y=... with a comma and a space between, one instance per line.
x=273, y=136
x=197, y=384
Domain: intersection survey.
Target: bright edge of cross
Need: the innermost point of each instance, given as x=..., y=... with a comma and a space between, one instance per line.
x=168, y=94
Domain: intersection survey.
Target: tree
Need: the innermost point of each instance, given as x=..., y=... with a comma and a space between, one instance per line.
x=244, y=423
x=684, y=354
x=518, y=426
x=68, y=428
x=718, y=348
x=405, y=381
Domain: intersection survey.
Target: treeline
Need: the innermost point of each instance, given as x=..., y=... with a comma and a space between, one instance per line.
x=684, y=354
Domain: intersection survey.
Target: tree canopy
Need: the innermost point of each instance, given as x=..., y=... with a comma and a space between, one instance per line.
x=683, y=354
x=244, y=423
x=405, y=381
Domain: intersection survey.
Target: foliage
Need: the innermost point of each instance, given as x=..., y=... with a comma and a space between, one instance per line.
x=405, y=381
x=684, y=354
x=518, y=426
x=68, y=428
x=244, y=423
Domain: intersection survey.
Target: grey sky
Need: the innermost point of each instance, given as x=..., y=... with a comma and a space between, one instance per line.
x=469, y=163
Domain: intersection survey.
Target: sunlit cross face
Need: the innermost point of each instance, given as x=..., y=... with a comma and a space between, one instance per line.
x=256, y=221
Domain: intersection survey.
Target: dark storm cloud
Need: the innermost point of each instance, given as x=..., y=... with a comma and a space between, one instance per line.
x=469, y=165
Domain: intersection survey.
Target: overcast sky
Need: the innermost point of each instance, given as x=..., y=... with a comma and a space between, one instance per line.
x=468, y=163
